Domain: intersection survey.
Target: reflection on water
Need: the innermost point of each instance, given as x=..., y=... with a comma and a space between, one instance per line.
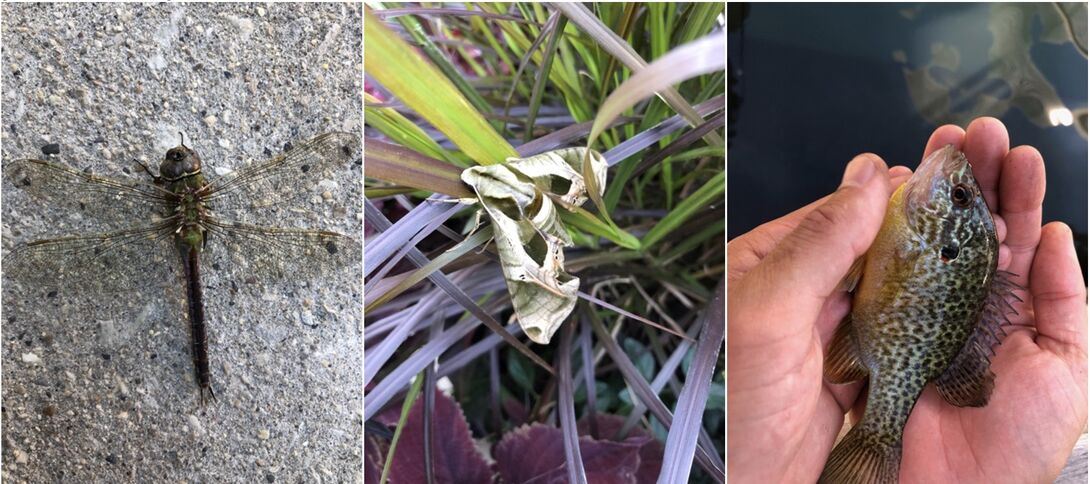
x=812, y=85
x=1009, y=78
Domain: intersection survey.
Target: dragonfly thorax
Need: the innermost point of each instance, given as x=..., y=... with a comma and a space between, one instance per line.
x=179, y=162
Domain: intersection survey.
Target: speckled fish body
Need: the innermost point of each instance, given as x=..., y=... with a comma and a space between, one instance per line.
x=927, y=307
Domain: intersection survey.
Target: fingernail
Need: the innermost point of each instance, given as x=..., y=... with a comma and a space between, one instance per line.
x=859, y=172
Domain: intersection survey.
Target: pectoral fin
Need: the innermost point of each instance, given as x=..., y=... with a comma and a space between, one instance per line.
x=968, y=381
x=855, y=272
x=842, y=363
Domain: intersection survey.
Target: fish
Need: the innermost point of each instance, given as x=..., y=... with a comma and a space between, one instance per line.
x=929, y=305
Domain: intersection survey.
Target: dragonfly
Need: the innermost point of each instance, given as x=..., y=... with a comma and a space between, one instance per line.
x=124, y=226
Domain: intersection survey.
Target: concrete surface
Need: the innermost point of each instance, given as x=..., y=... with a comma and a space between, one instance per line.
x=98, y=385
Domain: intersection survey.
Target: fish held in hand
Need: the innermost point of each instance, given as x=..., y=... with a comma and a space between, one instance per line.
x=928, y=306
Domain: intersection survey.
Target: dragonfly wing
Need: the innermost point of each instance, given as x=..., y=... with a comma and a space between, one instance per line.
x=279, y=252
x=107, y=203
x=286, y=176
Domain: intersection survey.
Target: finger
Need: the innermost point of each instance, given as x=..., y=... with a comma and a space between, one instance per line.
x=1000, y=227
x=1001, y=235
x=1059, y=296
x=986, y=144
x=747, y=250
x=944, y=135
x=899, y=172
x=807, y=265
x=1021, y=192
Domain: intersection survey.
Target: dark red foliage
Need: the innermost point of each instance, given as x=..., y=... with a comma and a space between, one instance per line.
x=651, y=449
x=455, y=459
x=536, y=454
x=532, y=453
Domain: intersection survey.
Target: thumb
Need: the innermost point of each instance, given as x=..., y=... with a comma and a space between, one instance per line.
x=808, y=264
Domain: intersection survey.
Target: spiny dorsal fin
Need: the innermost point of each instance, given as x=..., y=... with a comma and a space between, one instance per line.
x=968, y=381
x=842, y=364
x=857, y=461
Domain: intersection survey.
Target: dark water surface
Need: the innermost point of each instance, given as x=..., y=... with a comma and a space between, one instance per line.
x=813, y=85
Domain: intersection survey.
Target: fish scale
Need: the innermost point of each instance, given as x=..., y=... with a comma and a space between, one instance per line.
x=927, y=306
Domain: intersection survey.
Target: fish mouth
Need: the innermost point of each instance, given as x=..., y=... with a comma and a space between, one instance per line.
x=933, y=175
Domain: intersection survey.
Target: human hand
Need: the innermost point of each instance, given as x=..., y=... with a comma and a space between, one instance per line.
x=783, y=305
x=783, y=420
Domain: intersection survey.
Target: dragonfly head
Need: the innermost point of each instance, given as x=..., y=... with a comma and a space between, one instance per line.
x=179, y=162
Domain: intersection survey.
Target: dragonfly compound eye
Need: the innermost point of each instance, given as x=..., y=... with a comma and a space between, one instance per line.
x=178, y=162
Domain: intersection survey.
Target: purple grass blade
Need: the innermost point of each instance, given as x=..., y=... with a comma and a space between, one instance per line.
x=477, y=286
x=392, y=237
x=585, y=349
x=459, y=296
x=665, y=374
x=564, y=136
x=681, y=442
x=642, y=390
x=431, y=226
x=474, y=351
x=566, y=407
x=398, y=379
x=637, y=143
x=377, y=357
x=682, y=142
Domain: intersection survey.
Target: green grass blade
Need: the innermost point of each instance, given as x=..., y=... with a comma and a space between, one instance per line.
x=626, y=54
x=439, y=58
x=712, y=190
x=443, y=259
x=406, y=133
x=423, y=88
x=587, y=222
x=410, y=398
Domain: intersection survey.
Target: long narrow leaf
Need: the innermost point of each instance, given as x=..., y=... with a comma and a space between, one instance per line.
x=624, y=52
x=439, y=279
x=681, y=442
x=390, y=238
x=566, y=407
x=690, y=60
x=405, y=167
x=424, y=89
x=642, y=390
x=712, y=190
x=414, y=390
x=428, y=269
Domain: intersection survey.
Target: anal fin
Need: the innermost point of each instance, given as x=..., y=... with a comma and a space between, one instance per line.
x=842, y=363
x=968, y=381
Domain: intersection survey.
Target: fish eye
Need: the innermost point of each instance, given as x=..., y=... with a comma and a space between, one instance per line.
x=949, y=253
x=961, y=195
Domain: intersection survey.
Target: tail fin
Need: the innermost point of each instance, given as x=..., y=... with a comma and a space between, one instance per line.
x=857, y=461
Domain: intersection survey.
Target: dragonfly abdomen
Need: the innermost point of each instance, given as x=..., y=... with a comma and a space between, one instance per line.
x=191, y=259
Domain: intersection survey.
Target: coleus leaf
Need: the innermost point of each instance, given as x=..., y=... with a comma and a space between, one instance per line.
x=536, y=454
x=455, y=456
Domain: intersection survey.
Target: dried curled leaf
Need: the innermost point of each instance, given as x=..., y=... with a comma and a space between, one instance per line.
x=528, y=232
